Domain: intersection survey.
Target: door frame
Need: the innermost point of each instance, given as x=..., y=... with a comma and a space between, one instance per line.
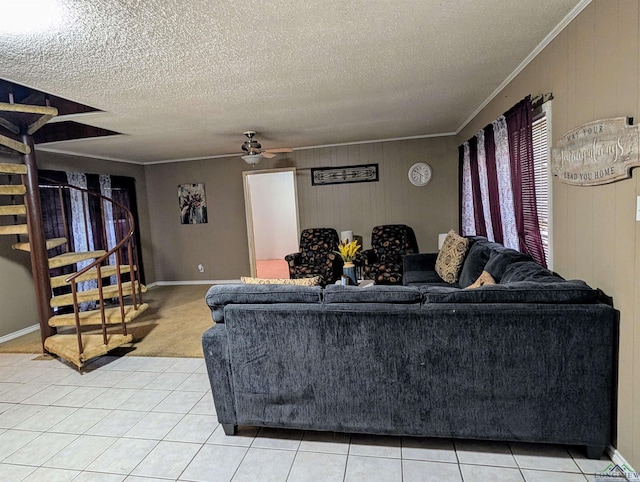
x=249, y=210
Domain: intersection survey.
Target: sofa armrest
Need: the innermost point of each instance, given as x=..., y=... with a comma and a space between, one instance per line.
x=419, y=262
x=216, y=356
x=292, y=259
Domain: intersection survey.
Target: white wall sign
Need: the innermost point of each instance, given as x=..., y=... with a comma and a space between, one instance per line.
x=596, y=153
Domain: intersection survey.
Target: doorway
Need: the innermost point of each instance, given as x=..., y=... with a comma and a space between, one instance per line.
x=271, y=205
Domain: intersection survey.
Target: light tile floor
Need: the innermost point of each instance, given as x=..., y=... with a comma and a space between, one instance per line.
x=159, y=424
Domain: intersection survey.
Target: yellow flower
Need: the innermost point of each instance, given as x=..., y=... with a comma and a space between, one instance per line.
x=347, y=251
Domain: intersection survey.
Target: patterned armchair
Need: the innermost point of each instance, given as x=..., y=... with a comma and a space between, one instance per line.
x=389, y=243
x=316, y=256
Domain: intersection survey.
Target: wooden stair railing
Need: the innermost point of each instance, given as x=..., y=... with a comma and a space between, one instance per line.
x=98, y=270
x=18, y=123
x=112, y=308
x=81, y=346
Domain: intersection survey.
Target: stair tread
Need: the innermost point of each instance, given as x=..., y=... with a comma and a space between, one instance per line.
x=13, y=190
x=66, y=346
x=112, y=316
x=8, y=168
x=51, y=243
x=14, y=229
x=105, y=272
x=93, y=294
x=13, y=210
x=74, y=257
x=26, y=117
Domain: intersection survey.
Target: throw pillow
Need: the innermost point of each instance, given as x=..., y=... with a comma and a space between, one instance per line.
x=483, y=280
x=313, y=281
x=451, y=257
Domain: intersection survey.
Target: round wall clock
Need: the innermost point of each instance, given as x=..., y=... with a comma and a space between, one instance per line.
x=420, y=174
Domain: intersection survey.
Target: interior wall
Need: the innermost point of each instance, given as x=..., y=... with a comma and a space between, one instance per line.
x=592, y=68
x=221, y=245
x=17, y=291
x=18, y=309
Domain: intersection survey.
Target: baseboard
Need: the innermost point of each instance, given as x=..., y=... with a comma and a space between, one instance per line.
x=617, y=458
x=19, y=333
x=195, y=282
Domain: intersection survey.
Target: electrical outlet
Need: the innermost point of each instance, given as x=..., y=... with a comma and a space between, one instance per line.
x=201, y=268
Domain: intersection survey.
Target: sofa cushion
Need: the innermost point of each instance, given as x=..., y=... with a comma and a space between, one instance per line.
x=451, y=257
x=219, y=296
x=311, y=281
x=528, y=271
x=371, y=294
x=422, y=277
x=568, y=292
x=474, y=263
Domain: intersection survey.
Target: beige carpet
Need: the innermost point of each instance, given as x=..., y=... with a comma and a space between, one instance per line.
x=172, y=326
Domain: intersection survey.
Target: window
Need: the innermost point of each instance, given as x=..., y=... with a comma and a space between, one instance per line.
x=498, y=163
x=541, y=132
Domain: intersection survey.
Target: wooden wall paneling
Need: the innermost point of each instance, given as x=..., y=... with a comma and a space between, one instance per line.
x=629, y=48
x=560, y=122
x=584, y=112
x=607, y=105
x=625, y=295
x=631, y=374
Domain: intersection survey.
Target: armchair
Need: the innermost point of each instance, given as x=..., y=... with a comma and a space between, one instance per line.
x=316, y=256
x=389, y=244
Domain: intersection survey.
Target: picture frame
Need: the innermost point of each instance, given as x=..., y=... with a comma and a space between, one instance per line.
x=192, y=203
x=322, y=176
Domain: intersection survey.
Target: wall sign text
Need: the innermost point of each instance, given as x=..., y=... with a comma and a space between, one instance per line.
x=596, y=153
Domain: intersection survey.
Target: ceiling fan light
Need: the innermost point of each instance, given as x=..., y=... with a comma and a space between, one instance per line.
x=252, y=158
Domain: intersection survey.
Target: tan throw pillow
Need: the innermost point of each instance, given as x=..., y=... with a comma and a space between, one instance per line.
x=483, y=280
x=314, y=281
x=451, y=256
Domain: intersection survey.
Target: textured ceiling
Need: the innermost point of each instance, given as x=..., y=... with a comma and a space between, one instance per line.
x=184, y=79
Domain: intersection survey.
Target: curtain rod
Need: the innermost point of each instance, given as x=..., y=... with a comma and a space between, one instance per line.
x=538, y=100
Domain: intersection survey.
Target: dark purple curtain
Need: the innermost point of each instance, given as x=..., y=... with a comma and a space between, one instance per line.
x=523, y=179
x=56, y=213
x=519, y=120
x=55, y=204
x=492, y=178
x=481, y=227
x=460, y=181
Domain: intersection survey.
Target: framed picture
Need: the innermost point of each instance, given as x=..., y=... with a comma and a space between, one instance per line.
x=192, y=203
x=344, y=174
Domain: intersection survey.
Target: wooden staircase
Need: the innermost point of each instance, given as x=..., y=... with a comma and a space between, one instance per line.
x=67, y=331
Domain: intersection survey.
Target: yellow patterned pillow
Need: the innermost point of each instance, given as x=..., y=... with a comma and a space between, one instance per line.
x=483, y=280
x=314, y=281
x=451, y=256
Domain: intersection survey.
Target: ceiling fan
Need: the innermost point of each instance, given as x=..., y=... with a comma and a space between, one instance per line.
x=255, y=152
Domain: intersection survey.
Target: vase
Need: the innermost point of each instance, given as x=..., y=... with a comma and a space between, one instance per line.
x=349, y=270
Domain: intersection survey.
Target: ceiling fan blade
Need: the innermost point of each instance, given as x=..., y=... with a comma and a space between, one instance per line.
x=278, y=150
x=268, y=154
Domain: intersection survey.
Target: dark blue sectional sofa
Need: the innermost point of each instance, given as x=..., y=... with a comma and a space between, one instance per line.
x=531, y=358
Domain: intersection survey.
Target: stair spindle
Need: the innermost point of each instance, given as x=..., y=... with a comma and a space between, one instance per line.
x=76, y=311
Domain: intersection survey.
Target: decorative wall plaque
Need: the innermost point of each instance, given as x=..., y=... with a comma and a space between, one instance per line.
x=338, y=175
x=596, y=153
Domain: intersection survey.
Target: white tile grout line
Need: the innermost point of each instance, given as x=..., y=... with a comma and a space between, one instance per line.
x=18, y=361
